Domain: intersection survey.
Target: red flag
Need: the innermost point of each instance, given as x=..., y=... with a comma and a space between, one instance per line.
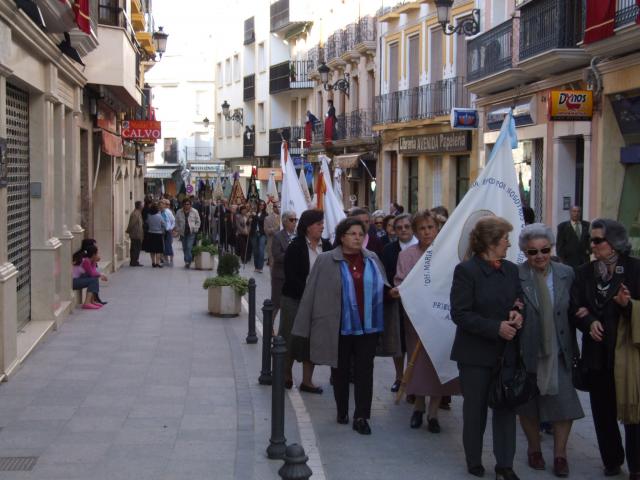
x=321, y=189
x=81, y=9
x=600, y=20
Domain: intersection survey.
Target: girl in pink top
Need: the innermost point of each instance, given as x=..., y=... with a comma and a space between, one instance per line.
x=86, y=275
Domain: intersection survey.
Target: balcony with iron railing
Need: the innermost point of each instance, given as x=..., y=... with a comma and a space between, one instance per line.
x=626, y=36
x=249, y=144
x=550, y=31
x=290, y=75
x=491, y=66
x=353, y=128
x=249, y=31
x=291, y=134
x=421, y=103
x=365, y=35
x=330, y=47
x=199, y=154
x=249, y=88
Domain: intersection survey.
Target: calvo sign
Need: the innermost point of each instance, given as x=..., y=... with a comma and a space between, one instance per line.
x=144, y=130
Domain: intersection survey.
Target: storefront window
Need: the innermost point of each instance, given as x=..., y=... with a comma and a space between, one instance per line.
x=522, y=159
x=462, y=177
x=413, y=184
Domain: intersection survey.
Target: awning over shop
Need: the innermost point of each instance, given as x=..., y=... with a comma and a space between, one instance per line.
x=350, y=160
x=112, y=144
x=159, y=173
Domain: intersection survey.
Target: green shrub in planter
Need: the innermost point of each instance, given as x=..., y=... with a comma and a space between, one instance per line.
x=228, y=268
x=207, y=248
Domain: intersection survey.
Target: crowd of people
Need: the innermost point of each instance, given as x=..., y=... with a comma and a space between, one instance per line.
x=339, y=305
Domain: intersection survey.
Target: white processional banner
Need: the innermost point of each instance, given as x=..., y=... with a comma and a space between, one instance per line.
x=292, y=195
x=333, y=212
x=425, y=291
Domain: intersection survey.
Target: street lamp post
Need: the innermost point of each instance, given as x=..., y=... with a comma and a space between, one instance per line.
x=342, y=84
x=237, y=114
x=160, y=41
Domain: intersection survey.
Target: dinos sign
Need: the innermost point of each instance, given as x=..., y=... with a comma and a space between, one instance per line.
x=143, y=130
x=570, y=105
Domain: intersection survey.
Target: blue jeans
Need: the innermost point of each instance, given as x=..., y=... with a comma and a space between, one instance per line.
x=258, y=243
x=168, y=243
x=92, y=284
x=187, y=245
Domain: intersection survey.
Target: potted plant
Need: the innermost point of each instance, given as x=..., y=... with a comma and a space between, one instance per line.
x=203, y=254
x=227, y=288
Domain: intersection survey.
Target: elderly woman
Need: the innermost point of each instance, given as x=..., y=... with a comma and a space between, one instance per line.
x=424, y=380
x=299, y=258
x=606, y=293
x=341, y=313
x=547, y=344
x=485, y=295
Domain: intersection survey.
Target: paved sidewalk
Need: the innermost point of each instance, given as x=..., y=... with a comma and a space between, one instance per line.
x=151, y=387
x=148, y=387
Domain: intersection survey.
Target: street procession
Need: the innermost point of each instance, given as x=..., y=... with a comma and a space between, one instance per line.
x=263, y=239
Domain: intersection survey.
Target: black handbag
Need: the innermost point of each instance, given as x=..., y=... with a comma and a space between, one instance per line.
x=579, y=374
x=512, y=387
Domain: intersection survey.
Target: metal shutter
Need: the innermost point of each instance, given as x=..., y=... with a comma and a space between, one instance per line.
x=18, y=196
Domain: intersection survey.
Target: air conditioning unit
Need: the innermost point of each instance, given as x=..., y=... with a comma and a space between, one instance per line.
x=354, y=173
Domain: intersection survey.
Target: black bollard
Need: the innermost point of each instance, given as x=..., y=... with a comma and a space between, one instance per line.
x=267, y=326
x=251, y=335
x=277, y=442
x=295, y=464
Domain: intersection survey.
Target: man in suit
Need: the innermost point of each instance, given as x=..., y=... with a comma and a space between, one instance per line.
x=573, y=239
x=405, y=238
x=279, y=243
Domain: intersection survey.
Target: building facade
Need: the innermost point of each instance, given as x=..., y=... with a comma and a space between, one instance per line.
x=423, y=161
x=51, y=164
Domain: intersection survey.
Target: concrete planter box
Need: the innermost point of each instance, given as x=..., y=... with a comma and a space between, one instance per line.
x=204, y=261
x=224, y=302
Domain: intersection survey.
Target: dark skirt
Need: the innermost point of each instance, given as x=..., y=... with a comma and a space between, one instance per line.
x=298, y=347
x=155, y=242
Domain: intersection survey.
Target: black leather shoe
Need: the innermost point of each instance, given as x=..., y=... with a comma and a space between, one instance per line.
x=433, y=425
x=416, y=419
x=476, y=470
x=288, y=384
x=506, y=474
x=342, y=420
x=396, y=386
x=308, y=389
x=612, y=471
x=361, y=426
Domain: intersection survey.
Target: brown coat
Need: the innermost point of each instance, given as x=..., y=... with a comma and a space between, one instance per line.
x=320, y=311
x=135, y=228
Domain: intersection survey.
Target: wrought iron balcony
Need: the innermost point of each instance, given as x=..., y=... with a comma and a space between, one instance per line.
x=316, y=56
x=248, y=144
x=366, y=30
x=550, y=24
x=291, y=135
x=290, y=75
x=330, y=48
x=423, y=102
x=249, y=92
x=626, y=12
x=198, y=154
x=490, y=52
x=249, y=31
x=354, y=125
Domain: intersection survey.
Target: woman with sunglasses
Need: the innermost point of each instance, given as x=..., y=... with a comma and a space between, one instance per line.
x=547, y=344
x=606, y=294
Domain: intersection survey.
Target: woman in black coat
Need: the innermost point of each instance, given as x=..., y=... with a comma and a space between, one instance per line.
x=298, y=260
x=602, y=294
x=485, y=299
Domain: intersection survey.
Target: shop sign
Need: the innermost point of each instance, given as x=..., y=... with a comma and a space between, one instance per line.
x=129, y=150
x=436, y=143
x=143, y=130
x=464, y=118
x=572, y=105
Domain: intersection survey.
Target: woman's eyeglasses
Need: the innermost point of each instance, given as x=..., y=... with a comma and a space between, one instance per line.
x=597, y=240
x=534, y=251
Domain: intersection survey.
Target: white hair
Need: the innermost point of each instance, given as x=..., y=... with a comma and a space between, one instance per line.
x=534, y=231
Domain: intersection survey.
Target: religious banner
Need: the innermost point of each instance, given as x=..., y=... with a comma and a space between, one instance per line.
x=237, y=195
x=425, y=291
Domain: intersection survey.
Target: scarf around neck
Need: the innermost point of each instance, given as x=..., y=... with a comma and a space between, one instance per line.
x=373, y=322
x=548, y=347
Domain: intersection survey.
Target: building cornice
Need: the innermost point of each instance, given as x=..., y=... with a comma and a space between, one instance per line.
x=619, y=63
x=530, y=89
x=38, y=42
